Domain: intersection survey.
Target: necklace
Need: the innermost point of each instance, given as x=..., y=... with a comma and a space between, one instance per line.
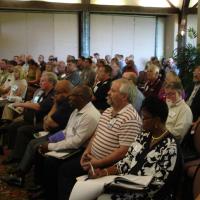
x=157, y=138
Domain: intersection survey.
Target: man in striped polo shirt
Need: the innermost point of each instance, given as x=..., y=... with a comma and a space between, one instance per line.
x=117, y=129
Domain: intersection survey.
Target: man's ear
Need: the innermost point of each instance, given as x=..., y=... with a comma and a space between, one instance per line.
x=125, y=96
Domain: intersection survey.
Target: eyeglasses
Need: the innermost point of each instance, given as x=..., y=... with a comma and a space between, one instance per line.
x=170, y=94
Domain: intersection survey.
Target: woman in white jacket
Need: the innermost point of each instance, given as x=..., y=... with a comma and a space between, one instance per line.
x=16, y=93
x=180, y=117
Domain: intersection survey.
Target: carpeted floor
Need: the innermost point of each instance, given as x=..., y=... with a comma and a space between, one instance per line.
x=10, y=192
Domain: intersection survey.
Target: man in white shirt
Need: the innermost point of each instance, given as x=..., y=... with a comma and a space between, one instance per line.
x=81, y=125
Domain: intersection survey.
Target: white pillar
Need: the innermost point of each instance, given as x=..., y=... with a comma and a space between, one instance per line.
x=171, y=32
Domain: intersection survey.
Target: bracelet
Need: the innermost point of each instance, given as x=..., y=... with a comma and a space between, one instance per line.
x=106, y=171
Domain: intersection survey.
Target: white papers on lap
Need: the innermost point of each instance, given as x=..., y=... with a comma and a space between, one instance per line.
x=40, y=134
x=19, y=110
x=89, y=189
x=56, y=154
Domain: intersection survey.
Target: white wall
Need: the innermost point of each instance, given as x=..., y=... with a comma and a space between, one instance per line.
x=170, y=35
x=144, y=40
x=111, y=34
x=38, y=33
x=160, y=43
x=50, y=33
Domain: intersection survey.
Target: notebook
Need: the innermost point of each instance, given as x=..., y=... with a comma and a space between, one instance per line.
x=63, y=154
x=95, y=187
x=18, y=110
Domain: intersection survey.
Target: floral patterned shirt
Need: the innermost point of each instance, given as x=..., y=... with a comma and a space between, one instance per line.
x=141, y=159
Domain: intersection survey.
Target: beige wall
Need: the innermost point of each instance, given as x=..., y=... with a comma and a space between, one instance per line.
x=125, y=34
x=171, y=32
x=38, y=33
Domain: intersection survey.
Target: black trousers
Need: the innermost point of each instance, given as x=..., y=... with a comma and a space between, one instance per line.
x=24, y=133
x=59, y=176
x=11, y=132
x=29, y=156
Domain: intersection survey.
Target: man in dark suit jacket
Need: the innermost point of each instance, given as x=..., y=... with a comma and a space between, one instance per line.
x=194, y=99
x=102, y=87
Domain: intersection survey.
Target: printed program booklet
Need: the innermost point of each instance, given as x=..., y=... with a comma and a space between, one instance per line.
x=95, y=187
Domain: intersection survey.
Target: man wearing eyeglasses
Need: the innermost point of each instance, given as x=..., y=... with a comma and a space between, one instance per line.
x=194, y=99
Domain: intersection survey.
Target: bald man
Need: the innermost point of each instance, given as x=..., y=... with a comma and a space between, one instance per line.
x=132, y=76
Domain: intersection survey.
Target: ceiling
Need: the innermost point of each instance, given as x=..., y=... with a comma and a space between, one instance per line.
x=158, y=7
x=142, y=3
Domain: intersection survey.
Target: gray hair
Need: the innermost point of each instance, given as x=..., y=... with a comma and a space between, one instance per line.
x=127, y=87
x=153, y=67
x=175, y=86
x=52, y=77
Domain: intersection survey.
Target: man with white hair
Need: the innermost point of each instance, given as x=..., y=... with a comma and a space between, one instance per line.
x=154, y=83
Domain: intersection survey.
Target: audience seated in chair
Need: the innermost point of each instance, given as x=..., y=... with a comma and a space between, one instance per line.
x=21, y=132
x=180, y=117
x=118, y=127
x=3, y=72
x=170, y=77
x=56, y=120
x=116, y=71
x=80, y=127
x=33, y=75
x=194, y=99
x=153, y=83
x=139, y=97
x=102, y=87
x=155, y=152
x=72, y=73
x=16, y=94
x=87, y=74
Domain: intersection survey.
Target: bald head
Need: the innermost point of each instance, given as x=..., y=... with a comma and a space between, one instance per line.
x=130, y=76
x=84, y=91
x=63, y=86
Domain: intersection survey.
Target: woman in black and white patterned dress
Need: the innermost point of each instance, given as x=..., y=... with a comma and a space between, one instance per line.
x=155, y=152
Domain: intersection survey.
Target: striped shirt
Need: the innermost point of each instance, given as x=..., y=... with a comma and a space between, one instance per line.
x=113, y=132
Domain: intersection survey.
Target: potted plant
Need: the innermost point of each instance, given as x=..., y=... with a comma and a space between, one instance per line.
x=186, y=58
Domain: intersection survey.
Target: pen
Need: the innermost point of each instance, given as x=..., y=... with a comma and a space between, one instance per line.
x=92, y=168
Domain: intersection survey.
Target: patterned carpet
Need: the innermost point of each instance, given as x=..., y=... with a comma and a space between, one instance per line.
x=10, y=192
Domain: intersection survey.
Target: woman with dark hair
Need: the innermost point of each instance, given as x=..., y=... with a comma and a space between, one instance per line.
x=154, y=152
x=33, y=78
x=34, y=73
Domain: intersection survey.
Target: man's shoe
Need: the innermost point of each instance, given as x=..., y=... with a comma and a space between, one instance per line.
x=14, y=180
